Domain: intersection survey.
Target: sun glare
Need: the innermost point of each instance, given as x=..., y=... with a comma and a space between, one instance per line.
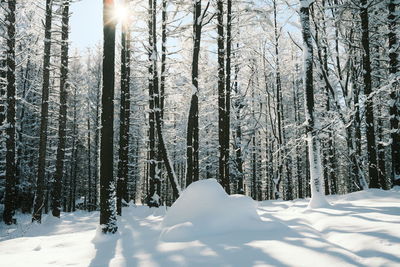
x=120, y=12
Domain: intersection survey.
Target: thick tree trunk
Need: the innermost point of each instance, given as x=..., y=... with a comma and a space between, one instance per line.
x=107, y=185
x=10, y=190
x=56, y=192
x=39, y=196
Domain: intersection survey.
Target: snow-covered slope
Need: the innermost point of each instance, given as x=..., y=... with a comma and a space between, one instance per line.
x=360, y=229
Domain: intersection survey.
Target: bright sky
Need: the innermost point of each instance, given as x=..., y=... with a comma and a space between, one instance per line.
x=86, y=23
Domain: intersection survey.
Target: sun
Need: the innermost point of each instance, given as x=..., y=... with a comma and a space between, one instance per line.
x=120, y=12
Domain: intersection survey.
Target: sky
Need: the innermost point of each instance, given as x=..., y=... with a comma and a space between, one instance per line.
x=86, y=23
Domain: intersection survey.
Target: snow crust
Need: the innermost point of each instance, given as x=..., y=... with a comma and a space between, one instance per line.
x=205, y=209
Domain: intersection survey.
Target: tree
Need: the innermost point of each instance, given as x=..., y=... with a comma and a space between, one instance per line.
x=10, y=194
x=56, y=192
x=317, y=193
x=394, y=93
x=153, y=198
x=39, y=195
x=369, y=108
x=223, y=131
x=192, y=134
x=122, y=179
x=107, y=187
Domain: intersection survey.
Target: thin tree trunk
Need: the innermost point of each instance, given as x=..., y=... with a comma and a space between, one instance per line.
x=96, y=142
x=223, y=161
x=228, y=93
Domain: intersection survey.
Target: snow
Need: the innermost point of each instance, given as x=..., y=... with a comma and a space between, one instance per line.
x=359, y=229
x=205, y=209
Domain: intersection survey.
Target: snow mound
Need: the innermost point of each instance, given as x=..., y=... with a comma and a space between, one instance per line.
x=205, y=209
x=318, y=201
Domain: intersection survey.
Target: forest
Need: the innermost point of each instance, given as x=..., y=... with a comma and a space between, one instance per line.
x=275, y=99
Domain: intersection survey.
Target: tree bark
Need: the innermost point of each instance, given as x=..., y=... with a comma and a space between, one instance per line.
x=57, y=184
x=317, y=193
x=10, y=190
x=122, y=179
x=39, y=196
x=369, y=109
x=107, y=185
x=394, y=110
x=222, y=135
x=192, y=134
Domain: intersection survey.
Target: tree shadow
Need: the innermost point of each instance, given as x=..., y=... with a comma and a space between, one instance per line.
x=105, y=249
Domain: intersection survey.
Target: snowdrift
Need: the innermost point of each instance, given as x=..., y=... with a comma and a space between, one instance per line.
x=205, y=209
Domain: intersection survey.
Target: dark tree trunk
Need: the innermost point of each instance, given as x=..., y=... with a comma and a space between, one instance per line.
x=369, y=109
x=159, y=111
x=228, y=94
x=192, y=135
x=89, y=156
x=39, y=196
x=311, y=120
x=254, y=168
x=238, y=132
x=74, y=153
x=279, y=105
x=394, y=110
x=107, y=188
x=122, y=179
x=153, y=198
x=96, y=142
x=222, y=134
x=56, y=192
x=10, y=190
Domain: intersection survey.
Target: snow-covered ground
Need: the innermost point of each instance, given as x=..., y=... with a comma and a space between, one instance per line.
x=359, y=229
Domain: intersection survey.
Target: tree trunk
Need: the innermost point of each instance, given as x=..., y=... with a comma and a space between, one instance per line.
x=394, y=110
x=192, y=135
x=153, y=198
x=107, y=187
x=317, y=193
x=279, y=106
x=223, y=161
x=238, y=132
x=96, y=142
x=228, y=94
x=122, y=179
x=369, y=108
x=10, y=190
x=57, y=184
x=39, y=196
